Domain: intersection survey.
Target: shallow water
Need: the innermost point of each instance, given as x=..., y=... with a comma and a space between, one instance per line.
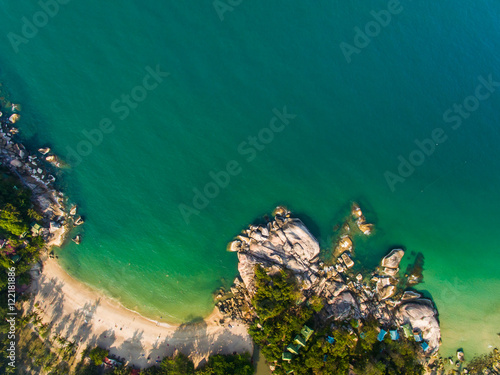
x=352, y=122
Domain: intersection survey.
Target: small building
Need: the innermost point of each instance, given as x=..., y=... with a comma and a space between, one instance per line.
x=36, y=230
x=407, y=331
x=330, y=339
x=417, y=335
x=300, y=340
x=394, y=335
x=294, y=349
x=425, y=346
x=381, y=335
x=325, y=357
x=286, y=356
x=306, y=332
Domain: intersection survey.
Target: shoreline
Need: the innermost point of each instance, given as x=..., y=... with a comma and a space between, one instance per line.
x=80, y=313
x=32, y=171
x=87, y=316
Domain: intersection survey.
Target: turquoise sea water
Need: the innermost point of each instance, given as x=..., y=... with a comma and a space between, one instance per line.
x=352, y=122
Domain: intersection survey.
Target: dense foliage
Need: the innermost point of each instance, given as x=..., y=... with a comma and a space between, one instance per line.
x=182, y=365
x=97, y=355
x=282, y=313
x=19, y=248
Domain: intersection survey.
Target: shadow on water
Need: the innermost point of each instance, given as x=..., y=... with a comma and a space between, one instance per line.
x=415, y=270
x=310, y=224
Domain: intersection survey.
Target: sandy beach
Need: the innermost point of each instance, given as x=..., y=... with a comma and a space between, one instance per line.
x=80, y=313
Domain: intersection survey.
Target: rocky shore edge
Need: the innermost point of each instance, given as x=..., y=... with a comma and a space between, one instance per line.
x=34, y=173
x=285, y=243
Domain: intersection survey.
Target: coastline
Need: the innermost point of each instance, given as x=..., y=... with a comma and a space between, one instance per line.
x=32, y=172
x=87, y=316
x=79, y=313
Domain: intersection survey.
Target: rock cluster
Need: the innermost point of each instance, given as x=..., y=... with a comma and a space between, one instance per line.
x=33, y=174
x=286, y=243
x=283, y=243
x=235, y=304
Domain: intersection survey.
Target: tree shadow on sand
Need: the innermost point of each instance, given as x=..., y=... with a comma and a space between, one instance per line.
x=191, y=337
x=130, y=347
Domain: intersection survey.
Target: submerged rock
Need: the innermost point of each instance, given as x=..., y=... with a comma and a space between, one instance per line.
x=79, y=221
x=356, y=210
x=365, y=228
x=54, y=160
x=345, y=243
x=14, y=118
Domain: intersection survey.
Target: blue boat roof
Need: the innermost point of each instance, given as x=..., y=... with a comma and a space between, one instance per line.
x=381, y=335
x=394, y=335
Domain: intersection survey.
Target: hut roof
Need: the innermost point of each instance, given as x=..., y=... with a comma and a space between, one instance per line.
x=381, y=335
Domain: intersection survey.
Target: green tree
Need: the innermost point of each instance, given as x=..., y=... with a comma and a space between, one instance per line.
x=12, y=221
x=178, y=365
x=97, y=355
x=228, y=365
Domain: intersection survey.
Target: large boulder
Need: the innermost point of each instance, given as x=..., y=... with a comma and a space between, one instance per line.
x=285, y=243
x=422, y=315
x=393, y=259
x=342, y=307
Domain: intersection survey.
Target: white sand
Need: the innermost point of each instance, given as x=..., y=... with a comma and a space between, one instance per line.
x=68, y=304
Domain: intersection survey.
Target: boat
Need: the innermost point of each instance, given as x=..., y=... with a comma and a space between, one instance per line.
x=77, y=239
x=72, y=212
x=44, y=151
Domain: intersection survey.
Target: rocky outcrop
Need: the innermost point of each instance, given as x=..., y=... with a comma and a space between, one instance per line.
x=32, y=173
x=343, y=307
x=235, y=303
x=390, y=271
x=422, y=315
x=286, y=244
x=363, y=226
x=393, y=259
